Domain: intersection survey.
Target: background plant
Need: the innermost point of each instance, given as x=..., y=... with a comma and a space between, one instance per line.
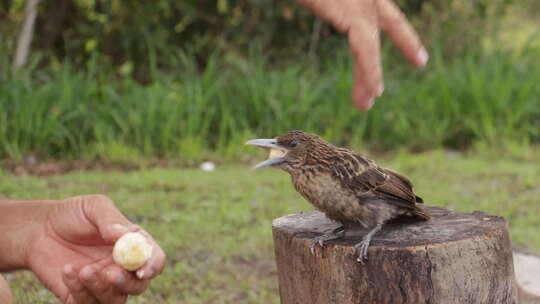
x=195, y=79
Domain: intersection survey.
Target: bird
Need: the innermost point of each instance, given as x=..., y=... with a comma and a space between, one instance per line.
x=347, y=187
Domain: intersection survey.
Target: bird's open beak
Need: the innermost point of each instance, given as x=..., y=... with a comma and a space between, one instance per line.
x=277, y=152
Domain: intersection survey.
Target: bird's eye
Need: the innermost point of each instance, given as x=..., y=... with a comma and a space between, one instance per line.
x=293, y=143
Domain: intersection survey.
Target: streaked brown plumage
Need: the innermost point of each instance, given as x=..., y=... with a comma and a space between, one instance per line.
x=347, y=187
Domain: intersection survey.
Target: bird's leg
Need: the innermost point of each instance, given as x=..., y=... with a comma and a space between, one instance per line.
x=335, y=234
x=362, y=247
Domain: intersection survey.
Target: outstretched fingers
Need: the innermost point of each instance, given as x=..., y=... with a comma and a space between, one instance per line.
x=364, y=42
x=400, y=31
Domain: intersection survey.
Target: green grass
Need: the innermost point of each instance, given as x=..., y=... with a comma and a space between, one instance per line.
x=490, y=97
x=216, y=226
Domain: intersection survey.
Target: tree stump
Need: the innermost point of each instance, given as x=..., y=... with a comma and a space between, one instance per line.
x=452, y=258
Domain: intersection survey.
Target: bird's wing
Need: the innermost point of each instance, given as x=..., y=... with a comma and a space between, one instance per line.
x=406, y=183
x=373, y=182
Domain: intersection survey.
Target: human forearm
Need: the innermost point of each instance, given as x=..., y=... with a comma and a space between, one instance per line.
x=19, y=222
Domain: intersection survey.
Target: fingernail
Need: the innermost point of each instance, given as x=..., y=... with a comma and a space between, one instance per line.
x=141, y=274
x=87, y=273
x=380, y=90
x=120, y=279
x=119, y=227
x=369, y=104
x=110, y=275
x=68, y=271
x=134, y=228
x=422, y=57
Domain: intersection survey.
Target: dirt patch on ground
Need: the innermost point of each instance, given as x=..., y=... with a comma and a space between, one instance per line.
x=57, y=167
x=32, y=166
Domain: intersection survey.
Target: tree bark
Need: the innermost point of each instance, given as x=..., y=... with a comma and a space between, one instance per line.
x=27, y=32
x=452, y=258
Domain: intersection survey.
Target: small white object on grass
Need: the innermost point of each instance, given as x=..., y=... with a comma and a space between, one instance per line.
x=132, y=250
x=208, y=166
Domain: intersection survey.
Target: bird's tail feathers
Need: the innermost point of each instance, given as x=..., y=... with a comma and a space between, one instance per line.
x=420, y=213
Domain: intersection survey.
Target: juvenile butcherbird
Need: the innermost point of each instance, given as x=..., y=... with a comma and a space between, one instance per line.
x=347, y=187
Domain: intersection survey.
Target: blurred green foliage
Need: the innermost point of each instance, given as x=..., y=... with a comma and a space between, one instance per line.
x=490, y=97
x=137, y=35
x=125, y=80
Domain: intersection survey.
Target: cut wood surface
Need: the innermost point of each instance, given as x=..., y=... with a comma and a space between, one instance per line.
x=453, y=258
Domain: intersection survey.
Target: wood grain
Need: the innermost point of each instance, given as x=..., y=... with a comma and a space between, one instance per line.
x=453, y=258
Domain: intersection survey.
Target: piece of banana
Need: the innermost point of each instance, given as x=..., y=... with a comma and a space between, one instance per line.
x=132, y=250
x=275, y=153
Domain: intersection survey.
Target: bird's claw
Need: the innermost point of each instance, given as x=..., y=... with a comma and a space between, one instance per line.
x=319, y=240
x=362, y=251
x=363, y=246
x=314, y=243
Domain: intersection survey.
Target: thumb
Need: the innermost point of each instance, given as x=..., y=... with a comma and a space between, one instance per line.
x=102, y=212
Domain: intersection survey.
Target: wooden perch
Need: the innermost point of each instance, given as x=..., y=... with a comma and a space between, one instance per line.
x=453, y=258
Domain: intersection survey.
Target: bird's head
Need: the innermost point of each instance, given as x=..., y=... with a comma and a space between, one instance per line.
x=291, y=150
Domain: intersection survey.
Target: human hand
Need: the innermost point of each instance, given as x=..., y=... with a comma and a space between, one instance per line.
x=361, y=21
x=72, y=254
